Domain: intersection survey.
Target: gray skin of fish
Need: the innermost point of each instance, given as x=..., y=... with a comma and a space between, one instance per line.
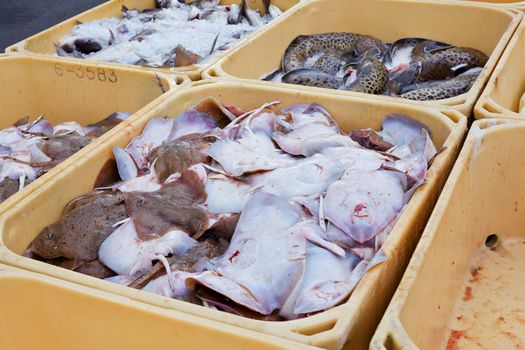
x=333, y=45
x=419, y=47
x=438, y=90
x=435, y=65
x=371, y=78
x=431, y=61
x=443, y=64
x=312, y=77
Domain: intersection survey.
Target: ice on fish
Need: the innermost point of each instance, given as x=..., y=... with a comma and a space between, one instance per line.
x=150, y=38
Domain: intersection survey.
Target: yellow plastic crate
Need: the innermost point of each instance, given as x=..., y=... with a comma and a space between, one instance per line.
x=43, y=42
x=353, y=321
x=459, y=23
x=520, y=5
x=39, y=312
x=503, y=92
x=484, y=195
x=78, y=92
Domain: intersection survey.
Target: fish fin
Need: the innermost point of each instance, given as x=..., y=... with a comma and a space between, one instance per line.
x=321, y=242
x=22, y=181
x=126, y=166
x=435, y=46
x=266, y=6
x=459, y=68
x=403, y=78
x=270, y=76
x=214, y=43
x=242, y=9
x=111, y=37
x=378, y=258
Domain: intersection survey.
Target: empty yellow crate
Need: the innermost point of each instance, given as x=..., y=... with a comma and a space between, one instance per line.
x=463, y=24
x=449, y=298
x=78, y=92
x=353, y=321
x=39, y=312
x=44, y=42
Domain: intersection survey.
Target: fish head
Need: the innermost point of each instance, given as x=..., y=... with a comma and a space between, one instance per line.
x=368, y=45
x=424, y=47
x=47, y=243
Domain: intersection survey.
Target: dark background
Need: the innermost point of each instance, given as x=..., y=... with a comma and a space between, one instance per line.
x=20, y=19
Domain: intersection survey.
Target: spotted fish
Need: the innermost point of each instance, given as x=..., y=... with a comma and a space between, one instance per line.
x=371, y=77
x=330, y=45
x=448, y=63
x=312, y=77
x=441, y=89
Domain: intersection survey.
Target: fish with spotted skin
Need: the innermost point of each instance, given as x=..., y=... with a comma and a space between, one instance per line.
x=448, y=63
x=330, y=45
x=403, y=51
x=441, y=89
x=411, y=68
x=371, y=77
x=312, y=77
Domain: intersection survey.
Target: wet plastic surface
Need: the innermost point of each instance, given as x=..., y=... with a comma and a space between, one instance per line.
x=44, y=313
x=466, y=275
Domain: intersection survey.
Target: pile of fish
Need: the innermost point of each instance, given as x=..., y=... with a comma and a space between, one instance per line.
x=28, y=150
x=411, y=68
x=270, y=214
x=173, y=34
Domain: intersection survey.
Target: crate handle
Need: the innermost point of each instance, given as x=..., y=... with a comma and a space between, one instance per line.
x=210, y=73
x=395, y=337
x=492, y=109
